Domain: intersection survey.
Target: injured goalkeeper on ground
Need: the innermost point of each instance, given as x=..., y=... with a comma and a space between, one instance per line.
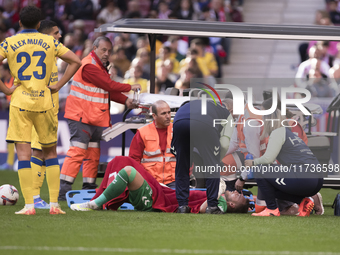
x=140, y=189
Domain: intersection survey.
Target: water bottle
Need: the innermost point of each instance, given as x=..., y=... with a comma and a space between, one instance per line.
x=250, y=173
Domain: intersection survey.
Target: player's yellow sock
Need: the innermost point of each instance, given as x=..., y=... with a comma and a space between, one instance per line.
x=53, y=178
x=25, y=179
x=38, y=174
x=10, y=153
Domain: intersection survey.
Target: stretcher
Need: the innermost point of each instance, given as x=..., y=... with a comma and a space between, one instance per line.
x=144, y=100
x=82, y=196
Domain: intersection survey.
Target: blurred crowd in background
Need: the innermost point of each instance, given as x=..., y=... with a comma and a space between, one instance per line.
x=319, y=70
x=178, y=58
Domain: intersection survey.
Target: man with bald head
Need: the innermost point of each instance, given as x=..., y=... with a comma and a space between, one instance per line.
x=151, y=145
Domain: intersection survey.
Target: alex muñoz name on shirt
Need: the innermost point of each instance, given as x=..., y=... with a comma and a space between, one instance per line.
x=39, y=42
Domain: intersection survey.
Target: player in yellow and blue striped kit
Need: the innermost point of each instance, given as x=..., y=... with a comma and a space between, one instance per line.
x=31, y=57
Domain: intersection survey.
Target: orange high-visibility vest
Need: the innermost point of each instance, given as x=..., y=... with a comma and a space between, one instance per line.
x=160, y=165
x=242, y=139
x=86, y=102
x=298, y=130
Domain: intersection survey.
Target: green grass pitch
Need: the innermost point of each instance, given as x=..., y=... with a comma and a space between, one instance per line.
x=130, y=232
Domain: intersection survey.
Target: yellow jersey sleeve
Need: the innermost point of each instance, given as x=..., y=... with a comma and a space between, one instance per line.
x=3, y=49
x=60, y=49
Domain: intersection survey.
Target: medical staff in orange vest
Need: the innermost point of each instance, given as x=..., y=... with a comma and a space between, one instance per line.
x=88, y=112
x=151, y=145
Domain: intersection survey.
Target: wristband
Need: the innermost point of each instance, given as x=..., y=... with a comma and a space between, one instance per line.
x=241, y=179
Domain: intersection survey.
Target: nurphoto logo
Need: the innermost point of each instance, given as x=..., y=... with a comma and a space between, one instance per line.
x=238, y=99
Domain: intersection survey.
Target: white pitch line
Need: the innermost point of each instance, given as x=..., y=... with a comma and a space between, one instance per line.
x=159, y=251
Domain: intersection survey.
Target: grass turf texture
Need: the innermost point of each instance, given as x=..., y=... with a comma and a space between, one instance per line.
x=130, y=232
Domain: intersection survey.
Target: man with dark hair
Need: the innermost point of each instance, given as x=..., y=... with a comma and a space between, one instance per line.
x=236, y=202
x=87, y=111
x=173, y=44
x=120, y=59
x=151, y=145
x=127, y=181
x=298, y=187
x=47, y=27
x=30, y=16
x=165, y=54
x=205, y=60
x=31, y=57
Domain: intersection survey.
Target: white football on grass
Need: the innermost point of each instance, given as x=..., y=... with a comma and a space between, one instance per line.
x=9, y=195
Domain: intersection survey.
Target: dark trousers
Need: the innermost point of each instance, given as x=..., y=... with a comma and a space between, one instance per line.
x=303, y=47
x=293, y=190
x=282, y=204
x=187, y=135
